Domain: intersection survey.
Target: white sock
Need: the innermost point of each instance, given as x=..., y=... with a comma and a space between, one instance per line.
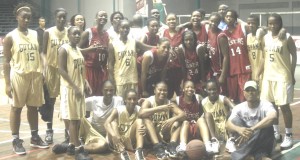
x=276, y=128
x=288, y=130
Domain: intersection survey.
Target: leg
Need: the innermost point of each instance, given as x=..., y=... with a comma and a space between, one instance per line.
x=287, y=115
x=204, y=132
x=184, y=131
x=96, y=146
x=74, y=132
x=210, y=124
x=151, y=131
x=135, y=134
x=15, y=120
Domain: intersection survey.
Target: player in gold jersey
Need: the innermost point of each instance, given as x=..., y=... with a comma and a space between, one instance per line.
x=23, y=77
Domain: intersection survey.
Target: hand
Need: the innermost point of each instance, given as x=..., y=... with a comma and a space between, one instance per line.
x=87, y=88
x=140, y=101
x=221, y=80
x=167, y=107
x=166, y=125
x=117, y=143
x=142, y=130
x=240, y=140
x=8, y=91
x=78, y=92
x=282, y=34
x=245, y=132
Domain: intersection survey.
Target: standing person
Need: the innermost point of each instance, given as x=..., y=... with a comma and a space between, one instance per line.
x=161, y=26
x=254, y=45
x=125, y=130
x=115, y=19
x=174, y=73
x=40, y=32
x=122, y=65
x=136, y=31
x=95, y=42
x=154, y=66
x=73, y=84
x=79, y=21
x=279, y=75
x=195, y=124
x=222, y=9
x=217, y=52
x=151, y=37
x=23, y=77
x=252, y=121
x=162, y=119
x=192, y=60
x=239, y=64
x=54, y=37
x=216, y=111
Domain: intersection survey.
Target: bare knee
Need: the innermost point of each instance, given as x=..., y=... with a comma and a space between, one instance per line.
x=97, y=147
x=16, y=110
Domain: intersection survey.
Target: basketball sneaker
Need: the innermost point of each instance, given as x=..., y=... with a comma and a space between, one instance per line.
x=49, y=136
x=139, y=155
x=124, y=156
x=171, y=149
x=215, y=145
x=18, y=147
x=159, y=151
x=36, y=141
x=287, y=142
x=60, y=148
x=71, y=149
x=278, y=137
x=80, y=154
x=208, y=147
x=230, y=145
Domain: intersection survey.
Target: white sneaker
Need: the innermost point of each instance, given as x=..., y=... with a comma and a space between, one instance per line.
x=230, y=145
x=215, y=145
x=208, y=147
x=287, y=142
x=181, y=147
x=278, y=137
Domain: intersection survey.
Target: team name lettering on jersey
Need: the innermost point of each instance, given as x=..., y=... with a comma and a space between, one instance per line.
x=159, y=117
x=78, y=63
x=236, y=41
x=125, y=53
x=254, y=46
x=27, y=47
x=58, y=42
x=124, y=127
x=274, y=48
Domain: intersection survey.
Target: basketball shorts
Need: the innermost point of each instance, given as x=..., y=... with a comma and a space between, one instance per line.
x=72, y=107
x=121, y=89
x=280, y=93
x=27, y=89
x=235, y=85
x=52, y=80
x=96, y=77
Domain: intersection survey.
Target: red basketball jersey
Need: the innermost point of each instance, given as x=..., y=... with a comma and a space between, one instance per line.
x=175, y=41
x=97, y=59
x=192, y=66
x=193, y=110
x=238, y=53
x=215, y=55
x=157, y=65
x=151, y=40
x=202, y=35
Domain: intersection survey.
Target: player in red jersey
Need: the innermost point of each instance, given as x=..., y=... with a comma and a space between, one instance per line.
x=239, y=64
x=95, y=41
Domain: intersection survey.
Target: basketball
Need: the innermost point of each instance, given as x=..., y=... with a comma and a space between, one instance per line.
x=195, y=149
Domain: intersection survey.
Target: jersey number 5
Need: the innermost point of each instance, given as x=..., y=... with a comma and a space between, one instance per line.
x=30, y=56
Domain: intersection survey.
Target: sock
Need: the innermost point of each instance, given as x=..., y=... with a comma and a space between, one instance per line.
x=288, y=130
x=34, y=133
x=49, y=125
x=15, y=136
x=276, y=128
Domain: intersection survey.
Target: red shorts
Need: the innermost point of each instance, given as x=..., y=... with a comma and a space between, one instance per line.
x=235, y=86
x=96, y=77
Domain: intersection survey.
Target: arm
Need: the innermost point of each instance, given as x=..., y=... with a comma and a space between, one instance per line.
x=201, y=51
x=183, y=25
x=146, y=109
x=261, y=62
x=84, y=44
x=178, y=116
x=265, y=122
x=62, y=69
x=7, y=45
x=293, y=52
x=143, y=46
x=181, y=60
x=44, y=48
x=145, y=68
x=224, y=48
x=111, y=62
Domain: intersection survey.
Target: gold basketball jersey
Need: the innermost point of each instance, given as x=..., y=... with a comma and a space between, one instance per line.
x=255, y=53
x=25, y=52
x=126, y=120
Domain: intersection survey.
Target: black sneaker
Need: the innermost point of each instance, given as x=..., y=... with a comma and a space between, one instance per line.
x=18, y=147
x=49, y=136
x=37, y=142
x=80, y=154
x=71, y=149
x=171, y=149
x=60, y=148
x=124, y=156
x=139, y=155
x=159, y=151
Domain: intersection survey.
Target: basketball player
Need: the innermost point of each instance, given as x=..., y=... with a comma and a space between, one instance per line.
x=162, y=119
x=122, y=65
x=54, y=37
x=195, y=124
x=216, y=111
x=239, y=65
x=154, y=66
x=151, y=37
x=218, y=53
x=73, y=84
x=129, y=129
x=161, y=26
x=94, y=42
x=115, y=19
x=279, y=75
x=23, y=77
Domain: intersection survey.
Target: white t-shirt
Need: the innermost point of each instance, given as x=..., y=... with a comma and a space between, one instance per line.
x=251, y=116
x=100, y=111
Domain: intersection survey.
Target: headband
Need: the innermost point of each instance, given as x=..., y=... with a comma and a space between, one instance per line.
x=24, y=7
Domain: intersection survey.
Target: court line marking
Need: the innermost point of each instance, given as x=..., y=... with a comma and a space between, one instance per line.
x=292, y=104
x=285, y=151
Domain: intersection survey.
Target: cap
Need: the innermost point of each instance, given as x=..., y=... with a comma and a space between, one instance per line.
x=250, y=84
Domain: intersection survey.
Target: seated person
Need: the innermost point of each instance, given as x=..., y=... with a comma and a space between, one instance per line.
x=252, y=121
x=162, y=119
x=195, y=124
x=92, y=130
x=216, y=111
x=125, y=129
